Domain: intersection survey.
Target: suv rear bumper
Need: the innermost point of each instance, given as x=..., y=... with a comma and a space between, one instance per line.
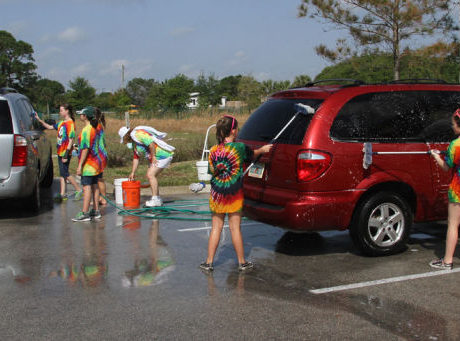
x=311, y=212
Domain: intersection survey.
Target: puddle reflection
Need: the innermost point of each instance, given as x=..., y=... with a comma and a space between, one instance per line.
x=90, y=269
x=151, y=263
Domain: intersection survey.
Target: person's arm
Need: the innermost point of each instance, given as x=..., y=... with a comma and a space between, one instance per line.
x=84, y=155
x=68, y=151
x=436, y=154
x=262, y=150
x=152, y=150
x=43, y=123
x=134, y=169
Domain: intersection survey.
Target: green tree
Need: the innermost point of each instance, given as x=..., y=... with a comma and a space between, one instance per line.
x=176, y=93
x=270, y=86
x=138, y=90
x=121, y=99
x=209, y=90
x=81, y=93
x=47, y=93
x=153, y=100
x=374, y=68
x=105, y=101
x=379, y=25
x=250, y=91
x=301, y=80
x=17, y=66
x=228, y=86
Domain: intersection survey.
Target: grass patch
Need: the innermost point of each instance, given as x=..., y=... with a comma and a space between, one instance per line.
x=186, y=135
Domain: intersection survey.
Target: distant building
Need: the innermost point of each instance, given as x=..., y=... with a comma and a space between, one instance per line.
x=195, y=103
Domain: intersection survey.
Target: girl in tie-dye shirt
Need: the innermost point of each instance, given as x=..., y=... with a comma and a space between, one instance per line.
x=451, y=162
x=226, y=167
x=65, y=138
x=148, y=142
x=89, y=164
x=100, y=134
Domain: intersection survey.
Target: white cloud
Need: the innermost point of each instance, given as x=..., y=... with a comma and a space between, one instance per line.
x=180, y=31
x=135, y=68
x=81, y=70
x=189, y=70
x=240, y=54
x=262, y=76
x=51, y=52
x=72, y=35
x=238, y=58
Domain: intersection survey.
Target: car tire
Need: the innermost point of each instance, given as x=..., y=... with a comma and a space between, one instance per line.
x=33, y=201
x=381, y=224
x=47, y=181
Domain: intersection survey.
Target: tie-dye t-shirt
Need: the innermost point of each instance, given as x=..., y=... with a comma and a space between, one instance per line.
x=226, y=167
x=88, y=140
x=143, y=148
x=102, y=152
x=453, y=161
x=65, y=132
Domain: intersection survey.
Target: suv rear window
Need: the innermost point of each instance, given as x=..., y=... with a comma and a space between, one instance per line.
x=411, y=116
x=6, y=126
x=266, y=122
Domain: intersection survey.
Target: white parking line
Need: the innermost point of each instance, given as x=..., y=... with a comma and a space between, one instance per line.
x=209, y=227
x=383, y=281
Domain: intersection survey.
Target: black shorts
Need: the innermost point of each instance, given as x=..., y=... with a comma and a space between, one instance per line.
x=64, y=167
x=88, y=180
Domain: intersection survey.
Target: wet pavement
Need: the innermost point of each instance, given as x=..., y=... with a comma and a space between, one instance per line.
x=132, y=278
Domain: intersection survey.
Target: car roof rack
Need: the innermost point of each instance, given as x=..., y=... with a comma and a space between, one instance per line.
x=418, y=80
x=5, y=90
x=354, y=82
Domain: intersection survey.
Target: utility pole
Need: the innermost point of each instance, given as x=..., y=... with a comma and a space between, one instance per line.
x=122, y=76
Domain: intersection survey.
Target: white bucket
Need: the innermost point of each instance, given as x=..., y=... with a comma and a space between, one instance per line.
x=202, y=167
x=118, y=190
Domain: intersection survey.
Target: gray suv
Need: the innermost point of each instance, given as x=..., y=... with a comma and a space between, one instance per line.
x=25, y=152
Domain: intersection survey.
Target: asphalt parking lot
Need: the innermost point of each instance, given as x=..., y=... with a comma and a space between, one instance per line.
x=132, y=278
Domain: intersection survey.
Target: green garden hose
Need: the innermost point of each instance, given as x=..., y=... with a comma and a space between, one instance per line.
x=166, y=212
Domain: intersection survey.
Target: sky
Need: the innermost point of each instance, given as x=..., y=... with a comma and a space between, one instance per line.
x=161, y=38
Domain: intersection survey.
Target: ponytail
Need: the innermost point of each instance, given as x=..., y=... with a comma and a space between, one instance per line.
x=100, y=117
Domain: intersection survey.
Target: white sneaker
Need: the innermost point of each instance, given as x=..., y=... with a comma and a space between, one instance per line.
x=154, y=202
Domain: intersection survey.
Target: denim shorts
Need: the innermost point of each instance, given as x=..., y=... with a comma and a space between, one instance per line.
x=64, y=167
x=87, y=180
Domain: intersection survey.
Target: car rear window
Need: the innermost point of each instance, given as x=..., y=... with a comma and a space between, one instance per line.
x=411, y=116
x=266, y=122
x=6, y=126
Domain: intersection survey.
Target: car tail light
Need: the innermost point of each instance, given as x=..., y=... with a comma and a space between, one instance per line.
x=311, y=164
x=19, y=151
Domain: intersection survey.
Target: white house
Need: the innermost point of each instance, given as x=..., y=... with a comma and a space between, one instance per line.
x=194, y=101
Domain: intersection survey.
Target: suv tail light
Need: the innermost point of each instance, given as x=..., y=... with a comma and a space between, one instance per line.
x=311, y=164
x=19, y=151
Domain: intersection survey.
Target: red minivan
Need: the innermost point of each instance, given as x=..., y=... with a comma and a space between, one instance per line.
x=317, y=177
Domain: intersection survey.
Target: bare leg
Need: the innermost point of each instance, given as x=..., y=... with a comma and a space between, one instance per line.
x=86, y=198
x=63, y=186
x=152, y=174
x=74, y=183
x=214, y=236
x=102, y=190
x=234, y=221
x=452, y=232
x=95, y=192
